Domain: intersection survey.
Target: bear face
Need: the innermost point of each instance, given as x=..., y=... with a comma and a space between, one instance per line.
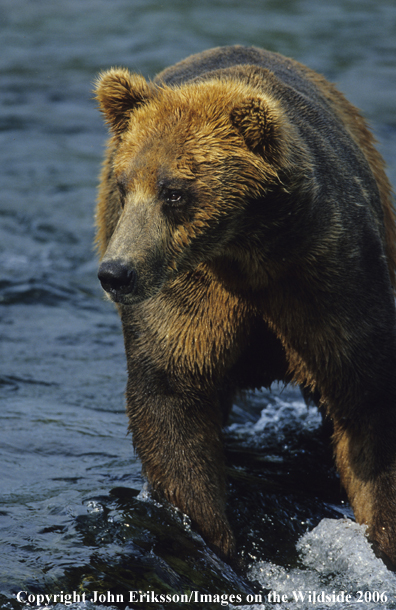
x=185, y=180
x=247, y=235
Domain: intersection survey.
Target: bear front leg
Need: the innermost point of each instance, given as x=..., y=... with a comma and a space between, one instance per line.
x=366, y=459
x=177, y=435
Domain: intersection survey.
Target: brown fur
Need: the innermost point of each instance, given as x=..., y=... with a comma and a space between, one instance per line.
x=246, y=234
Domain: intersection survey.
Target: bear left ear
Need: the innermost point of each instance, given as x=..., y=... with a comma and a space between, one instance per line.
x=258, y=124
x=118, y=93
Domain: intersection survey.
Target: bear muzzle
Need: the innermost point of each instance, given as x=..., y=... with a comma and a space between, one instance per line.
x=118, y=279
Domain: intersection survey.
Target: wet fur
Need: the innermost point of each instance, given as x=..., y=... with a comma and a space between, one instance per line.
x=278, y=264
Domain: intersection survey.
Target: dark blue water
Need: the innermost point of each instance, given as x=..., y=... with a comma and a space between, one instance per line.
x=73, y=516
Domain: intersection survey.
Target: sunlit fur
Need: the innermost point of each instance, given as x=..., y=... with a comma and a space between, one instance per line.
x=275, y=261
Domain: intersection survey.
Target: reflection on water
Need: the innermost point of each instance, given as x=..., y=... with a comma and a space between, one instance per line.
x=73, y=516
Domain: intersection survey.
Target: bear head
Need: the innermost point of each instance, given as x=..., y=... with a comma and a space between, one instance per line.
x=191, y=170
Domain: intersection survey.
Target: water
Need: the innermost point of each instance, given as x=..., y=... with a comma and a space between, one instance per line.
x=74, y=517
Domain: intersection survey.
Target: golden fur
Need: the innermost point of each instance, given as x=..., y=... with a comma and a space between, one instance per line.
x=246, y=234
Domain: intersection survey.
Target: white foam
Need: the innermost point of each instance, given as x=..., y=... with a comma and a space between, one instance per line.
x=336, y=560
x=281, y=414
x=276, y=417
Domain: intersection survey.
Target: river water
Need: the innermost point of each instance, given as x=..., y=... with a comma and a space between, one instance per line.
x=74, y=516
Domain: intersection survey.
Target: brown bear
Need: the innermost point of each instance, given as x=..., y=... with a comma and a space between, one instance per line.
x=247, y=235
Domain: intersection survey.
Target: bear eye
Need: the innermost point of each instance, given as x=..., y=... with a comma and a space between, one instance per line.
x=173, y=196
x=176, y=200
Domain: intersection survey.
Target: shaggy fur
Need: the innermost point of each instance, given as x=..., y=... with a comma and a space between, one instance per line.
x=247, y=235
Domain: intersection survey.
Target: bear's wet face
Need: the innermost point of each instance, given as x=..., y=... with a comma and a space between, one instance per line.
x=184, y=180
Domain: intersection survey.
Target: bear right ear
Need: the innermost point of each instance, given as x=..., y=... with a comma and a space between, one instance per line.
x=118, y=93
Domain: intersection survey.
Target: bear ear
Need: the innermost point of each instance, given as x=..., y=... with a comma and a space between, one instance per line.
x=118, y=93
x=259, y=125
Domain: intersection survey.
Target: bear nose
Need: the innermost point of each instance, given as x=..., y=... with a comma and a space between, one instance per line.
x=117, y=277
